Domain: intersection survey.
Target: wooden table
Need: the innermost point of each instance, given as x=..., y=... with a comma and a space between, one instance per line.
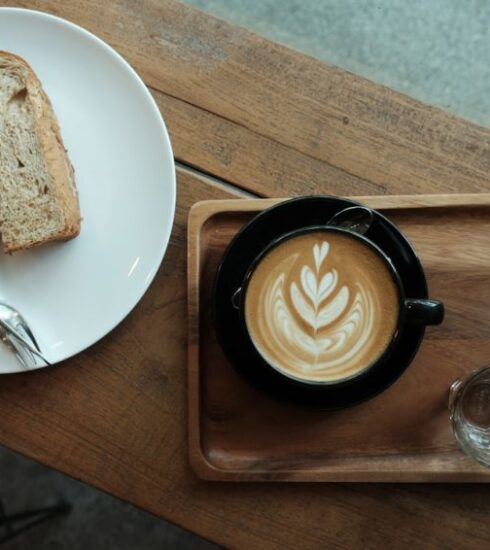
x=246, y=116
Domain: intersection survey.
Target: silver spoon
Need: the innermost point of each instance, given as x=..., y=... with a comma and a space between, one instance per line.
x=354, y=218
x=17, y=332
x=24, y=356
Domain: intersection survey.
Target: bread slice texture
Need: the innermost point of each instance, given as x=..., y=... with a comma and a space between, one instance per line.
x=38, y=195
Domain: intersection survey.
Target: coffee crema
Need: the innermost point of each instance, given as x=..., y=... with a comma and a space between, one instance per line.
x=322, y=306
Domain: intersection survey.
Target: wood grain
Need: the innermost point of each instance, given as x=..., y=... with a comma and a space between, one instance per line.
x=277, y=122
x=115, y=417
x=237, y=434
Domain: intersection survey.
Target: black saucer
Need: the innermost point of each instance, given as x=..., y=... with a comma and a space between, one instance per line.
x=250, y=241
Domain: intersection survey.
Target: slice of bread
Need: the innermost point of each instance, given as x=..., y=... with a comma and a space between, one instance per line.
x=38, y=195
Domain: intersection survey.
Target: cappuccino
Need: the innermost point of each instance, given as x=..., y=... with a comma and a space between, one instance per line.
x=322, y=306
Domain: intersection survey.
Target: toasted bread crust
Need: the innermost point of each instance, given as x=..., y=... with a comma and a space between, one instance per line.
x=53, y=152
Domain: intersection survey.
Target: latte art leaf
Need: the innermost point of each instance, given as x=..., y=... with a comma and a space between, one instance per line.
x=320, y=252
x=303, y=308
x=327, y=285
x=333, y=310
x=308, y=300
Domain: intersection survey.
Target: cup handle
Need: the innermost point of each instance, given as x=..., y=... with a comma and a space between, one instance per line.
x=424, y=312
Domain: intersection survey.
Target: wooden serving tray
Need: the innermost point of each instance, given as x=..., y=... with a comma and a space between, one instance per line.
x=404, y=434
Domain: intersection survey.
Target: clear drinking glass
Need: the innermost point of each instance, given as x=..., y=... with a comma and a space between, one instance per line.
x=469, y=406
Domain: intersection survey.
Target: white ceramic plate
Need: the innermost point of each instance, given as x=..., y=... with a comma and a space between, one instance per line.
x=72, y=294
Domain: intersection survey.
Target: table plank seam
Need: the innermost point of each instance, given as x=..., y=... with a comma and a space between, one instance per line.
x=381, y=187
x=227, y=185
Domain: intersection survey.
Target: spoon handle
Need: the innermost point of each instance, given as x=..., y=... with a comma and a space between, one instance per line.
x=20, y=351
x=24, y=342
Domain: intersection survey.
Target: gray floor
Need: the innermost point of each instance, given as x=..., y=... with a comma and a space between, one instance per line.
x=434, y=50
x=97, y=521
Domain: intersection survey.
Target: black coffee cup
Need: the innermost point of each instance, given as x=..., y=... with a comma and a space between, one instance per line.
x=245, y=253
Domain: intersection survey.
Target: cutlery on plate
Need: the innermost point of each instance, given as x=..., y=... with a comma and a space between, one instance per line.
x=16, y=334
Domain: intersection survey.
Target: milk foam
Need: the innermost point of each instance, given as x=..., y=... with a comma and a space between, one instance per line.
x=314, y=322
